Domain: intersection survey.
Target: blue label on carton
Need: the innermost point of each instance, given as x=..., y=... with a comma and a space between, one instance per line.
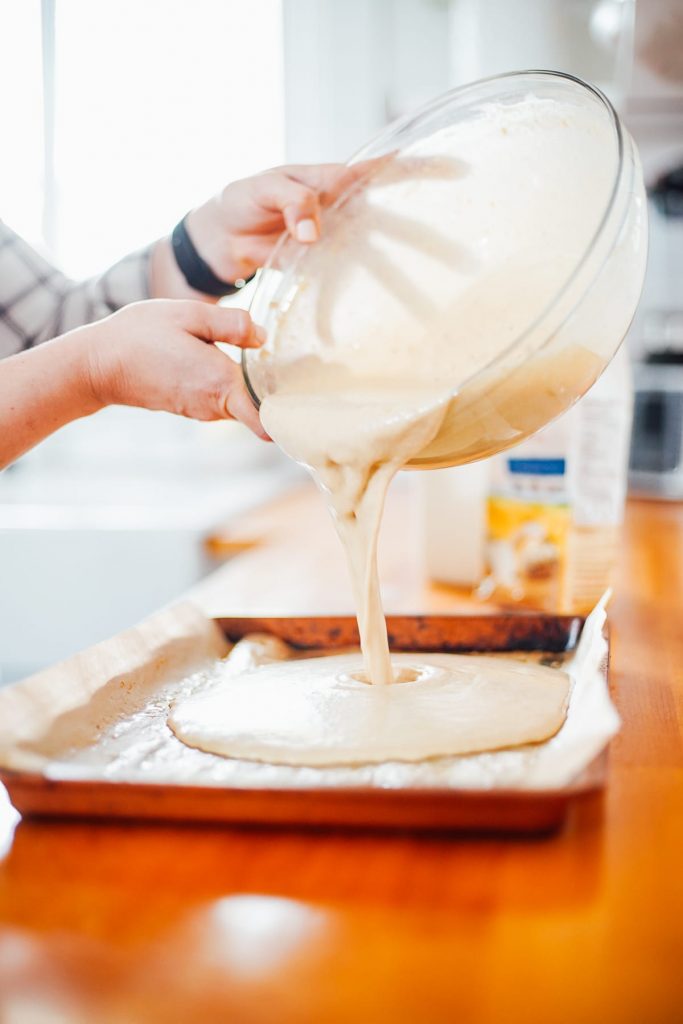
x=538, y=467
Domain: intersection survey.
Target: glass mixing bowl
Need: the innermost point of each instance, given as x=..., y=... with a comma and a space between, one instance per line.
x=522, y=255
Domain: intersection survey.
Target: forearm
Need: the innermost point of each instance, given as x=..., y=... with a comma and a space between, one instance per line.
x=41, y=390
x=39, y=302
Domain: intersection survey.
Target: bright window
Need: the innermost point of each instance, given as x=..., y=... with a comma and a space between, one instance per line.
x=21, y=117
x=155, y=106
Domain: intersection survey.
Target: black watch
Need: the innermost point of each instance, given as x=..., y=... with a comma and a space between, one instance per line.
x=197, y=271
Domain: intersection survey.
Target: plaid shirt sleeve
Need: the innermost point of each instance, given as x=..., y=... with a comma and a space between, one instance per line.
x=38, y=302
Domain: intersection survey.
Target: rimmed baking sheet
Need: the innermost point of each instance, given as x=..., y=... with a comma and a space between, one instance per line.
x=89, y=737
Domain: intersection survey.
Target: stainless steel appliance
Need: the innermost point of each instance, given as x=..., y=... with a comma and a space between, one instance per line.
x=656, y=463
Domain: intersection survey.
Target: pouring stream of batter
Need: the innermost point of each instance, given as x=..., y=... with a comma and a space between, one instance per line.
x=354, y=443
x=360, y=381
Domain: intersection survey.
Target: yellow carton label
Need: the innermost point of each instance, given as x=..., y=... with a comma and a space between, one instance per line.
x=527, y=555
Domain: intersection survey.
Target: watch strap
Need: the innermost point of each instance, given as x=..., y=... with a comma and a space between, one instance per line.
x=196, y=270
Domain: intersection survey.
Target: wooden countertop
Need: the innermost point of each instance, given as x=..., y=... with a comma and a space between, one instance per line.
x=126, y=924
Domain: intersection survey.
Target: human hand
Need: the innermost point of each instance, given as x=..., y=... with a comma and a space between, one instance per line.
x=161, y=354
x=236, y=230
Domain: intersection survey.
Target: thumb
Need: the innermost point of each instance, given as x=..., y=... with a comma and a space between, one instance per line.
x=222, y=324
x=238, y=405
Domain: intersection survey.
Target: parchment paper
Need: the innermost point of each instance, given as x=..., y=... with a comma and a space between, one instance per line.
x=102, y=715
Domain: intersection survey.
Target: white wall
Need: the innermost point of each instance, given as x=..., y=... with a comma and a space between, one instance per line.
x=489, y=37
x=353, y=66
